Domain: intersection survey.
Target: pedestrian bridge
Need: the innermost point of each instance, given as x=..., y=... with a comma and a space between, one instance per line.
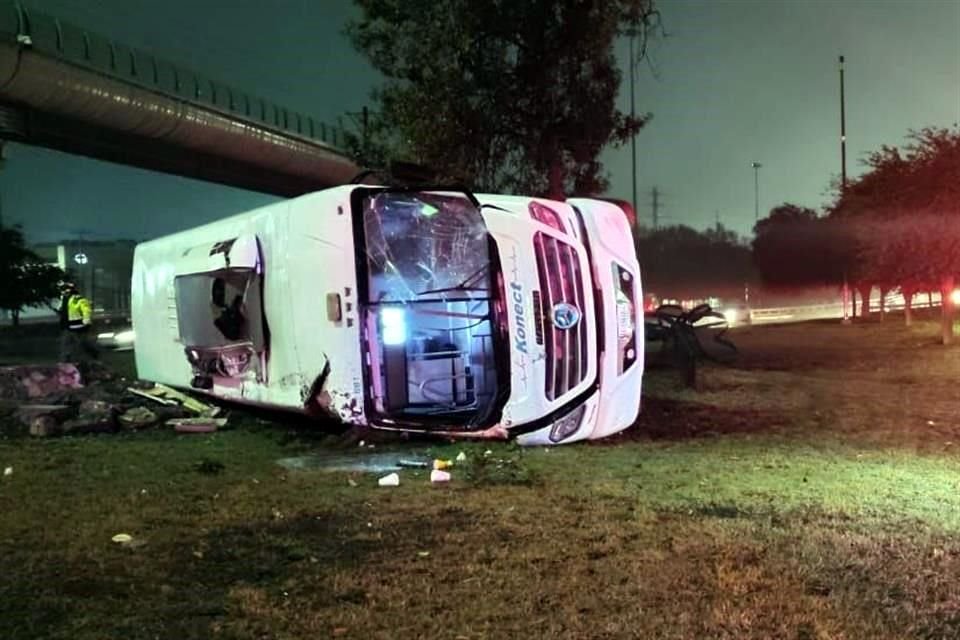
x=70, y=89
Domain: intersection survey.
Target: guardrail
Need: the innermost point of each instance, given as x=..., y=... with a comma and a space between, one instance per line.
x=894, y=302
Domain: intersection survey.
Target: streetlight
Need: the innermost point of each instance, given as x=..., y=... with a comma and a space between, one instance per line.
x=632, y=32
x=756, y=190
x=843, y=185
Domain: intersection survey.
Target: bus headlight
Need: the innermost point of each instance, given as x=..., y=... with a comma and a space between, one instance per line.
x=568, y=425
x=626, y=297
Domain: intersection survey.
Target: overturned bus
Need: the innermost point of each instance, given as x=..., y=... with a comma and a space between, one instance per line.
x=429, y=311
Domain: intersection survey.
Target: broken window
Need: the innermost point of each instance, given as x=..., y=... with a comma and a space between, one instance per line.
x=431, y=311
x=220, y=318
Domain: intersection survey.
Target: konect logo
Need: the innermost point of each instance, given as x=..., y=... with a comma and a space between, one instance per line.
x=518, y=306
x=520, y=338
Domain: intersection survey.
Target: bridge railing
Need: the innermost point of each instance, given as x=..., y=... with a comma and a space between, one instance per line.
x=77, y=46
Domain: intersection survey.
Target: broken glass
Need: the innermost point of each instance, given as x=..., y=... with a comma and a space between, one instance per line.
x=425, y=246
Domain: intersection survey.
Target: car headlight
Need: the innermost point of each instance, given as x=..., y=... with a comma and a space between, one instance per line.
x=566, y=426
x=124, y=337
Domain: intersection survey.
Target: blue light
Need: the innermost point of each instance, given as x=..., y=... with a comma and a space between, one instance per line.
x=394, y=323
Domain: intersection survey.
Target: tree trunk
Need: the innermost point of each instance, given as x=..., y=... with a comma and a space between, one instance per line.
x=853, y=303
x=946, y=310
x=15, y=317
x=929, y=299
x=865, y=300
x=907, y=306
x=883, y=304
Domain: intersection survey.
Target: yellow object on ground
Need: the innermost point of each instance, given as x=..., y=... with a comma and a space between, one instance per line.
x=165, y=394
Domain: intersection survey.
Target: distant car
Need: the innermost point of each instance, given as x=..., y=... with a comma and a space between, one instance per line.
x=115, y=335
x=736, y=314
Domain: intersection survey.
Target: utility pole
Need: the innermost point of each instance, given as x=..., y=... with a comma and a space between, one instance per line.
x=843, y=134
x=716, y=219
x=633, y=115
x=756, y=191
x=655, y=204
x=843, y=184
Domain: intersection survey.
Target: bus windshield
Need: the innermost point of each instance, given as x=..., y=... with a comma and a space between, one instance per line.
x=431, y=305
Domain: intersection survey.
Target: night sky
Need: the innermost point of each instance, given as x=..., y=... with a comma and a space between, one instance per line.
x=734, y=82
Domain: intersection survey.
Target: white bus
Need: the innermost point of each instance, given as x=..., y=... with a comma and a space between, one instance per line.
x=428, y=311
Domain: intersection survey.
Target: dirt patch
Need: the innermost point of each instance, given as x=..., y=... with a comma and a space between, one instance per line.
x=662, y=419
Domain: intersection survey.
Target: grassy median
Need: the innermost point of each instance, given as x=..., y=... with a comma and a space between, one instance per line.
x=811, y=491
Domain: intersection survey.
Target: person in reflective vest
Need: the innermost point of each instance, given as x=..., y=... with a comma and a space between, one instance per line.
x=76, y=322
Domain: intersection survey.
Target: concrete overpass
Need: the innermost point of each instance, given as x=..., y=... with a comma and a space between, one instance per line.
x=70, y=89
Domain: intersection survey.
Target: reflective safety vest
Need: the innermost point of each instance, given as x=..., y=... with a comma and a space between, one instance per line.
x=79, y=312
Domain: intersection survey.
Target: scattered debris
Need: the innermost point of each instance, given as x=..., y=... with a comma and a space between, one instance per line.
x=423, y=554
x=43, y=420
x=122, y=538
x=150, y=396
x=92, y=416
x=138, y=418
x=171, y=397
x=197, y=425
x=37, y=381
x=439, y=476
x=413, y=464
x=461, y=457
x=7, y=471
x=390, y=480
x=439, y=464
x=351, y=482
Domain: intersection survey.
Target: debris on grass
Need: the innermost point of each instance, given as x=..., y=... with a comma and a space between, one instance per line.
x=7, y=472
x=438, y=475
x=37, y=381
x=389, y=480
x=197, y=425
x=461, y=457
x=171, y=397
x=152, y=397
x=122, y=538
x=439, y=464
x=413, y=464
x=138, y=418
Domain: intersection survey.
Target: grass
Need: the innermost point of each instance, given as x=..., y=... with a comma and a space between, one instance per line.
x=801, y=494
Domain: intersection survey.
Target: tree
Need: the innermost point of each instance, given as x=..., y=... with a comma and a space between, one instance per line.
x=906, y=212
x=27, y=280
x=498, y=95
x=680, y=262
x=793, y=248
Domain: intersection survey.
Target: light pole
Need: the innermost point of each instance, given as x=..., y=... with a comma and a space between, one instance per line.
x=756, y=190
x=633, y=114
x=843, y=184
